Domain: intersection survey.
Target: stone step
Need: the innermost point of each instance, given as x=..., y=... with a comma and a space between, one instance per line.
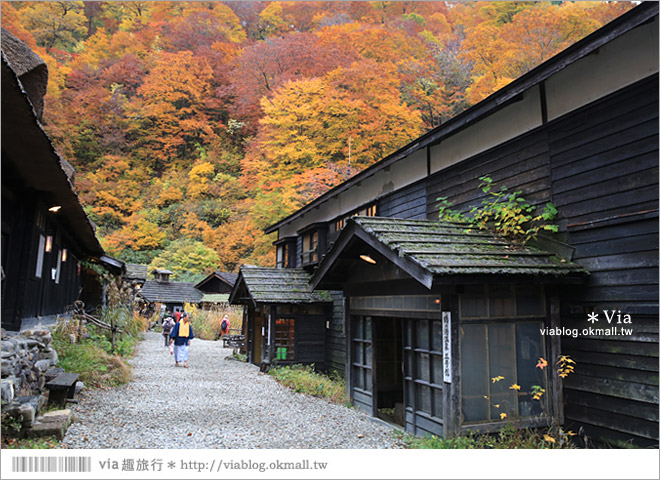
x=53, y=423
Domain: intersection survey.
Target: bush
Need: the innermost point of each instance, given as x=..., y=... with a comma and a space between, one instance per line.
x=304, y=379
x=90, y=359
x=507, y=438
x=92, y=356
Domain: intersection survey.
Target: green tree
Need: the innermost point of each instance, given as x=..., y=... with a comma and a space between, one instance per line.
x=189, y=260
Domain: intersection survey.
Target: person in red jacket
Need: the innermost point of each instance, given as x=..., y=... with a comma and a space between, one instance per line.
x=177, y=316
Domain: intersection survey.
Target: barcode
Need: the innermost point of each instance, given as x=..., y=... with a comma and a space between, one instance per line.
x=51, y=464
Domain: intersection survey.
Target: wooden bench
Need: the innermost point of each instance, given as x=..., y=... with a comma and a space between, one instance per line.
x=62, y=388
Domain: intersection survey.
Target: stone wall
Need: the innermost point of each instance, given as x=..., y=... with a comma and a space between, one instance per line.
x=28, y=362
x=26, y=357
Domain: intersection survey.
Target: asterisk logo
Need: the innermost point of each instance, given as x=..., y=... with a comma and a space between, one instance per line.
x=171, y=465
x=593, y=318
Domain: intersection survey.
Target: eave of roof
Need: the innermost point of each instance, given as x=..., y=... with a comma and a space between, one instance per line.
x=432, y=251
x=276, y=285
x=170, y=292
x=36, y=160
x=617, y=27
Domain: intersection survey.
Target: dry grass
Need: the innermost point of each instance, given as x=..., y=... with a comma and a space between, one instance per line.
x=206, y=323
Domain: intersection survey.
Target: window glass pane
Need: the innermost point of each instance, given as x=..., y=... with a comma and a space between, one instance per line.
x=474, y=373
x=501, y=301
x=529, y=300
x=358, y=377
x=368, y=380
x=501, y=355
x=423, y=366
x=424, y=398
x=437, y=376
x=359, y=353
x=367, y=328
x=437, y=402
x=436, y=336
x=408, y=329
x=367, y=354
x=530, y=347
x=408, y=364
x=473, y=302
x=410, y=392
x=40, y=256
x=422, y=327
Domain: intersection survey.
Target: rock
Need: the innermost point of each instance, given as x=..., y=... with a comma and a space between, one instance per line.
x=7, y=390
x=43, y=365
x=52, y=372
x=51, y=429
x=7, y=365
x=80, y=386
x=8, y=347
x=27, y=414
x=37, y=401
x=48, y=353
x=64, y=416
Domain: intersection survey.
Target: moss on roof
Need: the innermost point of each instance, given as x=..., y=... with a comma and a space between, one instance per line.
x=446, y=248
x=280, y=285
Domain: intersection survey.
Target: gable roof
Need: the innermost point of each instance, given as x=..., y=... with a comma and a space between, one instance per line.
x=275, y=285
x=499, y=99
x=215, y=298
x=434, y=252
x=135, y=271
x=226, y=277
x=31, y=153
x=170, y=292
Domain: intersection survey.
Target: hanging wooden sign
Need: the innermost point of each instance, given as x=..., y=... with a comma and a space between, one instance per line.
x=446, y=346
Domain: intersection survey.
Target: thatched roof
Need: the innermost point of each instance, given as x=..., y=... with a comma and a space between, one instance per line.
x=29, y=157
x=28, y=67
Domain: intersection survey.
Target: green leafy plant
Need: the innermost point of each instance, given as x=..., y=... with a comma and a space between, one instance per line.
x=503, y=212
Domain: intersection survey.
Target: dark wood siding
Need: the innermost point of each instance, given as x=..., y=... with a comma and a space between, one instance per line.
x=520, y=164
x=409, y=202
x=310, y=339
x=335, y=337
x=605, y=185
x=599, y=166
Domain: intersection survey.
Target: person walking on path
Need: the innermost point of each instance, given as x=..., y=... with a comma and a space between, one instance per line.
x=168, y=324
x=224, y=325
x=180, y=336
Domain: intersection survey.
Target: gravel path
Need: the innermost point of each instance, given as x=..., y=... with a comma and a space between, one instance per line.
x=216, y=403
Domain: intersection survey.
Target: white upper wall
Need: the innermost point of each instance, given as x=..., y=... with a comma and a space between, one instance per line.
x=624, y=60
x=620, y=62
x=400, y=174
x=505, y=124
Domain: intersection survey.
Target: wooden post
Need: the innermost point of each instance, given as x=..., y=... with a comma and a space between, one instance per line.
x=555, y=351
x=112, y=329
x=451, y=401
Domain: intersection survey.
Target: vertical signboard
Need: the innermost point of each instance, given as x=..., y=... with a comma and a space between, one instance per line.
x=446, y=346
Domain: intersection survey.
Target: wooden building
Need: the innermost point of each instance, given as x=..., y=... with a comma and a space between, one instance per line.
x=45, y=231
x=172, y=295
x=218, y=282
x=285, y=320
x=580, y=131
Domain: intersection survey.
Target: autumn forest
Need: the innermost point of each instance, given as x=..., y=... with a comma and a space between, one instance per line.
x=194, y=125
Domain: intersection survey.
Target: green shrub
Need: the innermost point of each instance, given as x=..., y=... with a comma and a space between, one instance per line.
x=304, y=379
x=508, y=437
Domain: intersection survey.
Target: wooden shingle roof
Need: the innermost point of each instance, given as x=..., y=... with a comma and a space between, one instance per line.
x=275, y=285
x=170, y=292
x=432, y=250
x=135, y=271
